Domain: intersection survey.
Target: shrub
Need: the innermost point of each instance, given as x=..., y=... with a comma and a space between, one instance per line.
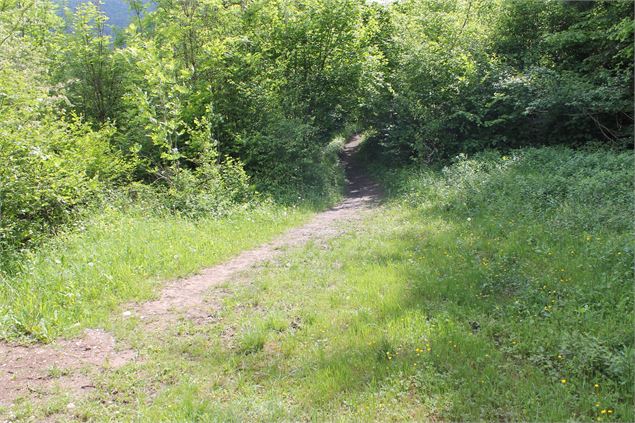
x=51, y=168
x=210, y=189
x=292, y=164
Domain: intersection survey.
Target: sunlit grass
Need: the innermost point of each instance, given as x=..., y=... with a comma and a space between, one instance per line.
x=452, y=302
x=437, y=308
x=78, y=279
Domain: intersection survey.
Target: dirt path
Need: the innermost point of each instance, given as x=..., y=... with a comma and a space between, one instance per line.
x=35, y=372
x=186, y=296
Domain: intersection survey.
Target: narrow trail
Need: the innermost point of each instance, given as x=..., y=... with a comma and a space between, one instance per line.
x=34, y=372
x=186, y=296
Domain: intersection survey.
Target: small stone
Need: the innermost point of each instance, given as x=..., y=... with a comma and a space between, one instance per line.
x=70, y=406
x=127, y=313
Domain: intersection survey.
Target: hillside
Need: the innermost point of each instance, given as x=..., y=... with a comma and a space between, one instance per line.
x=118, y=11
x=330, y=210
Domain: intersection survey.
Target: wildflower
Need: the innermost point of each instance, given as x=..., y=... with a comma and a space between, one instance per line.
x=609, y=411
x=563, y=381
x=596, y=386
x=603, y=412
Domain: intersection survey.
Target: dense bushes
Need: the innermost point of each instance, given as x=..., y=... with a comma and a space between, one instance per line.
x=51, y=162
x=290, y=164
x=49, y=169
x=268, y=80
x=463, y=76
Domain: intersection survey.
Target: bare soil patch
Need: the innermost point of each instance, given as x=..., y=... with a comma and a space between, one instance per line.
x=37, y=371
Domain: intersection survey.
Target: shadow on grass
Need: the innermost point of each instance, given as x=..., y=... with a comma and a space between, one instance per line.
x=480, y=304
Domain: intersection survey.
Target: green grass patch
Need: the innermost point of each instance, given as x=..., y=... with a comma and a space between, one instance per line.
x=78, y=279
x=498, y=289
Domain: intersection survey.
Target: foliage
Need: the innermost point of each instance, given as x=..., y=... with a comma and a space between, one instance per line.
x=289, y=163
x=51, y=162
x=194, y=90
x=463, y=76
x=180, y=100
x=90, y=69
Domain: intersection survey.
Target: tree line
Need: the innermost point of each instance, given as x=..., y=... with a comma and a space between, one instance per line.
x=207, y=103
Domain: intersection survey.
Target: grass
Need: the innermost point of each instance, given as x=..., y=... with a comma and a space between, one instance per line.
x=497, y=289
x=78, y=279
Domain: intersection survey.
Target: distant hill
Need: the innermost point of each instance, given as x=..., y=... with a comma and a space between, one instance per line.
x=118, y=12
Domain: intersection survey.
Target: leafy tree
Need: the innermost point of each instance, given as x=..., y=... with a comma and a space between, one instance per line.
x=89, y=67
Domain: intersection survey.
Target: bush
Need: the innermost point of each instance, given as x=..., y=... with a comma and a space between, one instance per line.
x=53, y=163
x=210, y=189
x=50, y=169
x=529, y=74
x=290, y=163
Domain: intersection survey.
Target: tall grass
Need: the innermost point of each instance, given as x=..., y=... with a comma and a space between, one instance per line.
x=121, y=254
x=540, y=247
